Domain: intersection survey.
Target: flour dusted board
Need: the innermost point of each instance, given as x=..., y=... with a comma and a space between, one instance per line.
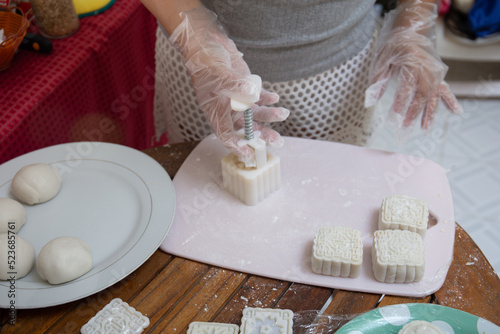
x=323, y=184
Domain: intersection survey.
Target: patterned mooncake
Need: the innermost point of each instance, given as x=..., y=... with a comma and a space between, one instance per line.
x=337, y=251
x=266, y=320
x=398, y=256
x=404, y=213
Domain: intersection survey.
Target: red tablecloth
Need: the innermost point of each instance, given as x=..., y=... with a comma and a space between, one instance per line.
x=97, y=84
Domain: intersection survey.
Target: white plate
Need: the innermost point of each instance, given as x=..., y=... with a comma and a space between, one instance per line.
x=117, y=199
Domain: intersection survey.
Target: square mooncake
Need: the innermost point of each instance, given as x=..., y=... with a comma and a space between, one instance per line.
x=398, y=256
x=337, y=251
x=116, y=317
x=404, y=213
x=266, y=320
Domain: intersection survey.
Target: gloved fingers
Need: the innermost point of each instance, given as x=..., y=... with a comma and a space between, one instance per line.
x=267, y=114
x=204, y=44
x=414, y=109
x=419, y=16
x=444, y=94
x=201, y=39
x=262, y=114
x=218, y=71
x=267, y=97
x=449, y=99
x=405, y=92
x=220, y=118
x=380, y=82
x=430, y=110
x=214, y=87
x=245, y=89
x=406, y=50
x=224, y=130
x=270, y=136
x=410, y=96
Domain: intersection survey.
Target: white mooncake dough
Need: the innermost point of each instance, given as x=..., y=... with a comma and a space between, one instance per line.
x=398, y=256
x=420, y=327
x=337, y=251
x=404, y=213
x=266, y=320
x=251, y=185
x=11, y=211
x=36, y=183
x=17, y=256
x=63, y=259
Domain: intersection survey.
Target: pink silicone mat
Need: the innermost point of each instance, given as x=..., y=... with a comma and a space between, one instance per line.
x=323, y=184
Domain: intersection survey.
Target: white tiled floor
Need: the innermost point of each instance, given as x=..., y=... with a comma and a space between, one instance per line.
x=470, y=150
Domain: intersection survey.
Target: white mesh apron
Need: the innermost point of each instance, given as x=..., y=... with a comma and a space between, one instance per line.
x=326, y=106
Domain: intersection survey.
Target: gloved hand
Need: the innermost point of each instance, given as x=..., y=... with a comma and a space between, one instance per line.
x=219, y=72
x=406, y=50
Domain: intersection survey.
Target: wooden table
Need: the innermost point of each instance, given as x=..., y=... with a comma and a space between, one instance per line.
x=173, y=291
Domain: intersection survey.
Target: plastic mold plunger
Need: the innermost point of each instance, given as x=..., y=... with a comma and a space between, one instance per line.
x=251, y=182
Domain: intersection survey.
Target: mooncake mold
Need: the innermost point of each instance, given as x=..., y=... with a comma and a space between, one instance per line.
x=115, y=318
x=337, y=251
x=198, y=327
x=269, y=321
x=398, y=256
x=404, y=213
x=249, y=184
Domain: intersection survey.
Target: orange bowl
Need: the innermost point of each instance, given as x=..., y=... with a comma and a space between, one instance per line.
x=14, y=29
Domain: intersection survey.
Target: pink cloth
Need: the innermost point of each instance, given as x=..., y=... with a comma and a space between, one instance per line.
x=97, y=84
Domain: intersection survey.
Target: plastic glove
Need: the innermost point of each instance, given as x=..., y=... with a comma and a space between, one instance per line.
x=219, y=72
x=406, y=50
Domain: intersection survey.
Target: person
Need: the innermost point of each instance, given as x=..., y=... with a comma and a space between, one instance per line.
x=322, y=64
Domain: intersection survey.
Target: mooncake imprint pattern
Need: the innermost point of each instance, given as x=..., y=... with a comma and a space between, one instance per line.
x=398, y=256
x=116, y=317
x=266, y=321
x=337, y=251
x=404, y=213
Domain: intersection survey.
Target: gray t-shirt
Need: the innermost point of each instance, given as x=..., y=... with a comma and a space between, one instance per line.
x=283, y=40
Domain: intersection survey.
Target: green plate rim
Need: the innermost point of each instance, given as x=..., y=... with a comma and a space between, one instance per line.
x=454, y=321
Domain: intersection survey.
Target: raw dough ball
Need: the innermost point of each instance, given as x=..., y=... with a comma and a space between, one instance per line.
x=63, y=259
x=20, y=262
x=36, y=183
x=11, y=211
x=420, y=327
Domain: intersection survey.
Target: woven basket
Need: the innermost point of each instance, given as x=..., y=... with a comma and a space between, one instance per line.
x=14, y=28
